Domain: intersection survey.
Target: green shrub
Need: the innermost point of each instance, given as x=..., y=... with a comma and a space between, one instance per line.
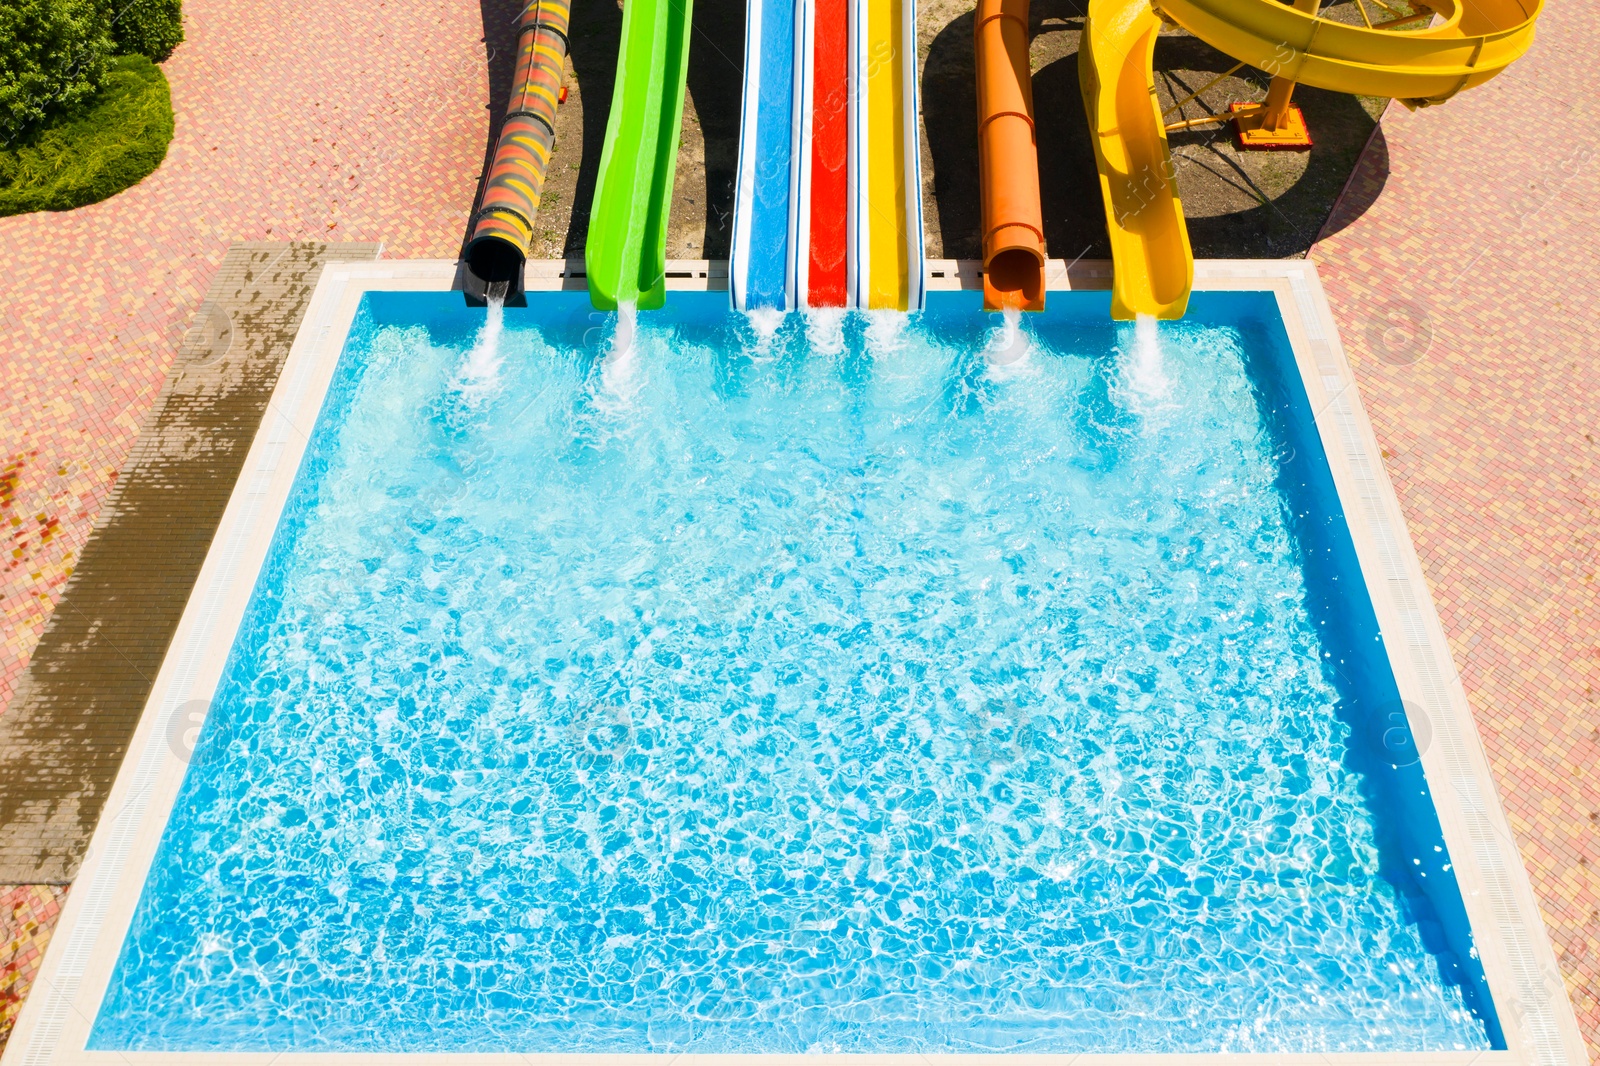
x=109, y=145
x=148, y=27
x=53, y=58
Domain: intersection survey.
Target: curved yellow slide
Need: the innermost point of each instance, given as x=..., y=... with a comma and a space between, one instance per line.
x=1470, y=42
x=1154, y=266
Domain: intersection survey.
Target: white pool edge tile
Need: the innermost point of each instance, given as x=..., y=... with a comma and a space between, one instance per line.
x=1525, y=981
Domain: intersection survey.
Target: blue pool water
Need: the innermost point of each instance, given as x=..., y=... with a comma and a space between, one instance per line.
x=847, y=689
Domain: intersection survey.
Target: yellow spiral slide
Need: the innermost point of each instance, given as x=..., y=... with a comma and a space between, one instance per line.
x=1466, y=43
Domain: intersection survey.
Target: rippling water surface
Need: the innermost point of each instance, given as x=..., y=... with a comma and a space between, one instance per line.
x=864, y=691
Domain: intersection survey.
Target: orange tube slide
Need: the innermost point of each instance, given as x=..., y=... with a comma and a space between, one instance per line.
x=1008, y=160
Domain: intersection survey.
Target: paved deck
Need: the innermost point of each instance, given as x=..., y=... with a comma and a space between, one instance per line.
x=1464, y=296
x=296, y=120
x=28, y=916
x=64, y=736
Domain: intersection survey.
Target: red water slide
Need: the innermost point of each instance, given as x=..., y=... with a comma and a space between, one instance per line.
x=828, y=281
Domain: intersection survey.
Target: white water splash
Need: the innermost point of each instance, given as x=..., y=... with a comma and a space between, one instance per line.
x=885, y=329
x=619, y=377
x=765, y=321
x=479, y=374
x=825, y=330
x=1008, y=350
x=1145, y=373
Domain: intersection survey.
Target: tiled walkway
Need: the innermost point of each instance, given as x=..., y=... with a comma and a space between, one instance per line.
x=28, y=916
x=1465, y=297
x=74, y=711
x=296, y=120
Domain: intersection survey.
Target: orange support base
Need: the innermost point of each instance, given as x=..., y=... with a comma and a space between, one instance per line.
x=1251, y=134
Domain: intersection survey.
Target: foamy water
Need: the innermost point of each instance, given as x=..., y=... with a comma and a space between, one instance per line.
x=825, y=330
x=886, y=329
x=765, y=322
x=479, y=374
x=1008, y=348
x=1145, y=375
x=619, y=370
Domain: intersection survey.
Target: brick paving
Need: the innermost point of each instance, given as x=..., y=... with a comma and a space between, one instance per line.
x=1464, y=297
x=75, y=708
x=296, y=120
x=77, y=704
x=28, y=916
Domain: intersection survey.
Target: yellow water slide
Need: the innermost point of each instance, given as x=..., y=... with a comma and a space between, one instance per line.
x=888, y=252
x=1464, y=43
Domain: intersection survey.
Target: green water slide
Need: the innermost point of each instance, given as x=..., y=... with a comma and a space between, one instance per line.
x=626, y=253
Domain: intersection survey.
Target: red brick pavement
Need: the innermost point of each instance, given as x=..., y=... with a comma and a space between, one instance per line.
x=1465, y=296
x=296, y=119
x=28, y=915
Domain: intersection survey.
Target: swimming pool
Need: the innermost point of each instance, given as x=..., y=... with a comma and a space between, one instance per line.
x=855, y=687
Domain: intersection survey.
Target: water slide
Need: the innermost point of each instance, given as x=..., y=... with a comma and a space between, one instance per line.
x=1008, y=159
x=1154, y=265
x=828, y=206
x=626, y=252
x=1466, y=43
x=884, y=136
x=822, y=156
x=762, y=265
x=502, y=230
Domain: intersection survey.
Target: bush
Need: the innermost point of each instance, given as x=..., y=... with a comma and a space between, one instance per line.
x=147, y=27
x=113, y=143
x=53, y=58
